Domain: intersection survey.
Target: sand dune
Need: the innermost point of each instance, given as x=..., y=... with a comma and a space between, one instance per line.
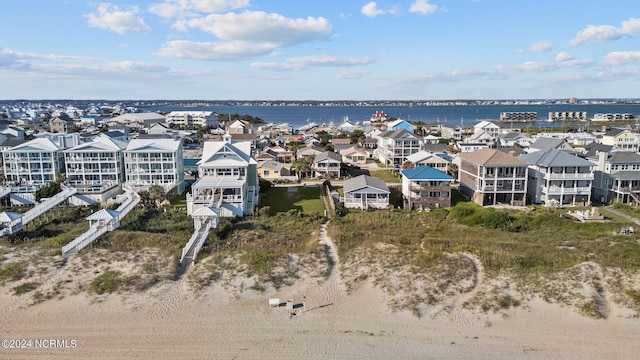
x=171, y=321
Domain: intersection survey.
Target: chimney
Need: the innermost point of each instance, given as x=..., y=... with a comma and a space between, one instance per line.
x=226, y=138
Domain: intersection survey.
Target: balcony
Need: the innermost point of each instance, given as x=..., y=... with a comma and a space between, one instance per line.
x=558, y=190
x=504, y=188
x=568, y=176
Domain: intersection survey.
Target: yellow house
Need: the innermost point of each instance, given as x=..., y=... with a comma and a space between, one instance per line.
x=622, y=139
x=273, y=170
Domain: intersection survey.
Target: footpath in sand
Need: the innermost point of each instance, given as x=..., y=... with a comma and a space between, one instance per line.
x=169, y=322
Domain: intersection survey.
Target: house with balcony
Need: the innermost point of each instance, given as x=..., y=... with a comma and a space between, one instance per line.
x=228, y=179
x=557, y=178
x=617, y=178
x=425, y=158
x=490, y=128
x=32, y=164
x=424, y=187
x=154, y=162
x=492, y=177
x=622, y=139
x=365, y=192
x=96, y=168
x=395, y=146
x=327, y=165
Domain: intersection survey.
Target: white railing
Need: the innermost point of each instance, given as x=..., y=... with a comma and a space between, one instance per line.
x=192, y=240
x=84, y=239
x=204, y=236
x=48, y=204
x=558, y=190
x=94, y=232
x=569, y=176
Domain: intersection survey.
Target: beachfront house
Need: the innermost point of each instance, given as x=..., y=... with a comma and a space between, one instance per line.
x=492, y=177
x=96, y=168
x=558, y=178
x=424, y=187
x=33, y=163
x=228, y=179
x=365, y=192
x=617, y=178
x=154, y=162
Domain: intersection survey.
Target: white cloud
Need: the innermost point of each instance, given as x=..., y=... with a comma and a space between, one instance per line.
x=371, y=10
x=423, y=7
x=617, y=58
x=540, y=46
x=602, y=33
x=350, y=74
x=263, y=28
x=303, y=62
x=112, y=18
x=245, y=35
x=232, y=50
x=563, y=56
x=182, y=8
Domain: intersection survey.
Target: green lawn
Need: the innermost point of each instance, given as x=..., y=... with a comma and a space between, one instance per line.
x=282, y=199
x=386, y=176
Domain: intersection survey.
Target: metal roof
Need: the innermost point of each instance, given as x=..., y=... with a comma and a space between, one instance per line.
x=554, y=157
x=362, y=181
x=425, y=173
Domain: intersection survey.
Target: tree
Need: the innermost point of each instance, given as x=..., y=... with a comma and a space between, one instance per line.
x=407, y=165
x=355, y=136
x=155, y=197
x=302, y=167
x=452, y=169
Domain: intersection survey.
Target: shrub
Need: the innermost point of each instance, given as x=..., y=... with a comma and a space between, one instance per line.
x=106, y=283
x=259, y=262
x=25, y=288
x=12, y=272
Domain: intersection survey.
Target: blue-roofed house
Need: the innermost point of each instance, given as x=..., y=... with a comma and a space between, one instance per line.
x=400, y=124
x=424, y=187
x=365, y=192
x=558, y=178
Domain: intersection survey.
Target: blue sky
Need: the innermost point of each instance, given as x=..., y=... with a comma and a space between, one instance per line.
x=319, y=50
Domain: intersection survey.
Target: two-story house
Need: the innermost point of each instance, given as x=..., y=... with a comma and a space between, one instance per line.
x=491, y=177
x=395, y=146
x=155, y=162
x=327, y=165
x=228, y=179
x=425, y=158
x=557, y=178
x=424, y=187
x=617, y=178
x=622, y=139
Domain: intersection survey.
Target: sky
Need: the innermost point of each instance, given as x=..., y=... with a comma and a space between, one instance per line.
x=319, y=50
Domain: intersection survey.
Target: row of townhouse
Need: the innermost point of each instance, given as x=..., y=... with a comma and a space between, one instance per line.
x=551, y=177
x=98, y=167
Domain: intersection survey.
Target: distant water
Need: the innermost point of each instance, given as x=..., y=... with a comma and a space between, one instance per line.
x=298, y=116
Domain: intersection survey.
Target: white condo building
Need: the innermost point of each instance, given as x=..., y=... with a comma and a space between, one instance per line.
x=228, y=179
x=33, y=163
x=96, y=168
x=192, y=118
x=154, y=162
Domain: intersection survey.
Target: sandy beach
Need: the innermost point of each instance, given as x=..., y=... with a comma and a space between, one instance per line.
x=170, y=321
